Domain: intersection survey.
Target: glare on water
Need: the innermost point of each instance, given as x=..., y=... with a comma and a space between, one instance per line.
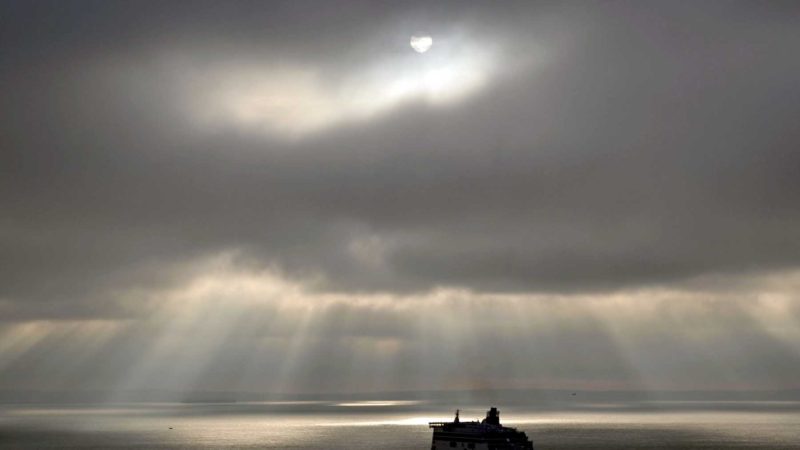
x=385, y=425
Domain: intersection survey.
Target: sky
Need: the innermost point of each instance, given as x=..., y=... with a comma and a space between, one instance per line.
x=285, y=197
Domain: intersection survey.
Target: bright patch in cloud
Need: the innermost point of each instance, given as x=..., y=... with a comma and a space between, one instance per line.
x=293, y=100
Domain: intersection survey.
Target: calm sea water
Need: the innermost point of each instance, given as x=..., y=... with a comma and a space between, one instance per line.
x=392, y=425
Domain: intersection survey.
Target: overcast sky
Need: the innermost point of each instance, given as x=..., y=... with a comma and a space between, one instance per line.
x=285, y=196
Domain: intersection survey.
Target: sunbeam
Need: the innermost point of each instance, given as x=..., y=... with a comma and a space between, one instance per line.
x=271, y=333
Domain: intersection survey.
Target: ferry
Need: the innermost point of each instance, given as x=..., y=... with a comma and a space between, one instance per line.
x=487, y=434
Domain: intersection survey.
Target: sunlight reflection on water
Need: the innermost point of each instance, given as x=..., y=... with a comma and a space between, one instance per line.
x=381, y=403
x=380, y=425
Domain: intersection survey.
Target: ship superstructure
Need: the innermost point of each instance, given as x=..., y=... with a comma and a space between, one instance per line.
x=487, y=434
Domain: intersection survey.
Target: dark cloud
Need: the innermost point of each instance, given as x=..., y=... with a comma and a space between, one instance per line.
x=653, y=143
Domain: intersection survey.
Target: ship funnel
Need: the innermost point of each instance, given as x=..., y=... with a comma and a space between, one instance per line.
x=492, y=416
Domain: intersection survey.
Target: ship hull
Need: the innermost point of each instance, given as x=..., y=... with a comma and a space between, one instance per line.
x=480, y=444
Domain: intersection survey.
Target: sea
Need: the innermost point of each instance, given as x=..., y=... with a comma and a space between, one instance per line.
x=394, y=424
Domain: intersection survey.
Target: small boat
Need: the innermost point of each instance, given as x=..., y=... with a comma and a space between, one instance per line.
x=487, y=434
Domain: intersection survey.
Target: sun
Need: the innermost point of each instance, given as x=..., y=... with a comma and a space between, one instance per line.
x=421, y=44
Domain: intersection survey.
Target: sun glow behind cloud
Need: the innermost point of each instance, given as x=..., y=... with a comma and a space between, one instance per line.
x=296, y=99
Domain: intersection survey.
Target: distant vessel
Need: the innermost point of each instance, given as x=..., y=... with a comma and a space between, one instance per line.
x=487, y=434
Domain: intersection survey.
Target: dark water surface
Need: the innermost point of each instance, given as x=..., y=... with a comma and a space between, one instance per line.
x=393, y=425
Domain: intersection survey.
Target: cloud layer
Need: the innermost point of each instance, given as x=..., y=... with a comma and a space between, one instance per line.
x=561, y=150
